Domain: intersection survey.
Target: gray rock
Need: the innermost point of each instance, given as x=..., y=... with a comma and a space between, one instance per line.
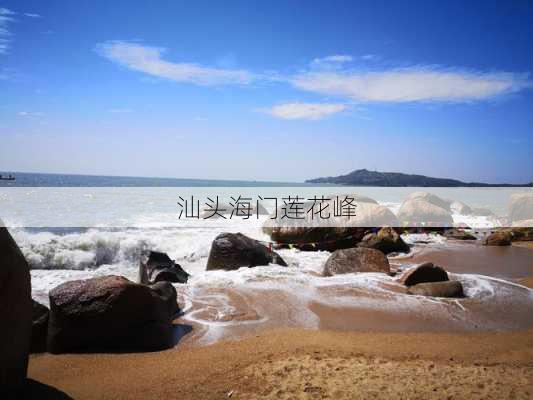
x=358, y=259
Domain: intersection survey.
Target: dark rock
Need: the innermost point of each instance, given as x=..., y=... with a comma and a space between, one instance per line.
x=111, y=313
x=426, y=272
x=386, y=240
x=498, y=238
x=438, y=289
x=459, y=234
x=231, y=251
x=15, y=314
x=358, y=259
x=158, y=267
x=39, y=330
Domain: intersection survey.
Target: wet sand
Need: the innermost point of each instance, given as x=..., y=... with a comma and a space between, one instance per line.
x=306, y=364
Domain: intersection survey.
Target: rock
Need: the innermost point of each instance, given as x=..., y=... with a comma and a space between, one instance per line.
x=430, y=198
x=521, y=206
x=231, y=251
x=498, y=238
x=416, y=212
x=386, y=240
x=461, y=208
x=15, y=314
x=111, y=313
x=459, y=234
x=39, y=330
x=359, y=259
x=426, y=272
x=315, y=233
x=158, y=267
x=438, y=289
x=522, y=232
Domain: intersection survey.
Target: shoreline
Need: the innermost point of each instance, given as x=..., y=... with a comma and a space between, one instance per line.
x=270, y=365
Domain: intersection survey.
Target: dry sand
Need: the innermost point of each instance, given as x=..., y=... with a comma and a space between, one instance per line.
x=293, y=364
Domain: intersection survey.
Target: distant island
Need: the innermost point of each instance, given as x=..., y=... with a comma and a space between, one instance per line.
x=364, y=177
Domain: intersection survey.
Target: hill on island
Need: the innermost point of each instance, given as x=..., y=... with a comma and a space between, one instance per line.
x=364, y=177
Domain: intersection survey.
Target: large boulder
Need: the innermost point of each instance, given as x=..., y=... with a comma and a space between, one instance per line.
x=430, y=198
x=521, y=206
x=39, y=330
x=358, y=259
x=499, y=238
x=438, y=289
x=426, y=272
x=314, y=232
x=230, y=251
x=15, y=315
x=419, y=212
x=386, y=240
x=158, y=267
x=111, y=313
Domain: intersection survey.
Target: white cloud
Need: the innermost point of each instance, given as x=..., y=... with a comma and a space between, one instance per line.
x=148, y=60
x=310, y=111
x=120, y=110
x=411, y=85
x=331, y=62
x=30, y=114
x=33, y=15
x=5, y=19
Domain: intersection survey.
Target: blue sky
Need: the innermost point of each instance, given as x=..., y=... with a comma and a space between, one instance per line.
x=284, y=90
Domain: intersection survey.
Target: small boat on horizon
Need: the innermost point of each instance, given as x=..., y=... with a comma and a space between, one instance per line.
x=9, y=177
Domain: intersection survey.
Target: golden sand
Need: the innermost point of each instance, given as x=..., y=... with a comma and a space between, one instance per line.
x=306, y=364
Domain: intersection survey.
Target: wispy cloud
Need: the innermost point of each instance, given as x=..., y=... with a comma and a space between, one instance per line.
x=33, y=15
x=412, y=85
x=149, y=60
x=30, y=114
x=6, y=17
x=331, y=62
x=120, y=110
x=309, y=111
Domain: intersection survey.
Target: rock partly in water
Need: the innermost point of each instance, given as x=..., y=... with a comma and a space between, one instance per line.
x=438, y=289
x=419, y=212
x=111, y=313
x=386, y=240
x=158, y=267
x=39, y=330
x=230, y=251
x=426, y=272
x=459, y=234
x=358, y=259
x=15, y=314
x=521, y=207
x=499, y=238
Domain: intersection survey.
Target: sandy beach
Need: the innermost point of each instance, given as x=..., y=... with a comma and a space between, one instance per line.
x=306, y=364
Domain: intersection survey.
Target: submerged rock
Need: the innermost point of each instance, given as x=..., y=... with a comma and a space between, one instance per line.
x=426, y=272
x=15, y=314
x=158, y=267
x=459, y=234
x=231, y=251
x=111, y=313
x=386, y=240
x=357, y=259
x=498, y=238
x=438, y=289
x=39, y=330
